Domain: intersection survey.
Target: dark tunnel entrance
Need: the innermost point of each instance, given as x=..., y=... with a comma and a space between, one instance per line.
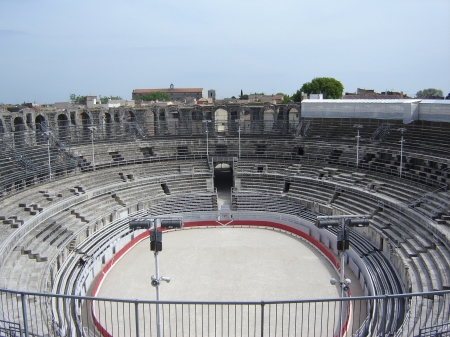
x=223, y=181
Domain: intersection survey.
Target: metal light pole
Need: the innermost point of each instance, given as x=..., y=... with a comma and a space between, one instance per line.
x=48, y=134
x=358, y=126
x=207, y=121
x=401, y=150
x=156, y=246
x=239, y=132
x=343, y=244
x=92, y=128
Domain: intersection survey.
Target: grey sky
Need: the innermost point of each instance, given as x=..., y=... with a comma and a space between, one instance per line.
x=50, y=49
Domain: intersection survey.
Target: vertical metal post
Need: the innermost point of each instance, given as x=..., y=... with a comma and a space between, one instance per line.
x=401, y=150
x=48, y=153
x=92, y=142
x=358, y=126
x=357, y=150
x=158, y=313
x=262, y=318
x=401, y=156
x=207, y=141
x=24, y=313
x=383, y=318
x=136, y=314
x=341, y=280
x=239, y=131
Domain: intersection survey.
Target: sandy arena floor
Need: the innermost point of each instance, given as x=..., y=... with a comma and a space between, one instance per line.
x=224, y=264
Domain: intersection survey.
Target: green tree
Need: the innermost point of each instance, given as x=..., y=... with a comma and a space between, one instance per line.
x=430, y=93
x=75, y=99
x=286, y=99
x=156, y=96
x=329, y=87
x=104, y=99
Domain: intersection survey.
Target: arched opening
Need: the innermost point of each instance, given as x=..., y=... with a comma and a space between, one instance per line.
x=117, y=121
x=221, y=120
x=40, y=123
x=2, y=128
x=19, y=131
x=161, y=115
x=63, y=126
x=85, y=123
x=130, y=121
x=292, y=118
x=131, y=117
x=223, y=181
x=40, y=126
x=107, y=121
x=268, y=120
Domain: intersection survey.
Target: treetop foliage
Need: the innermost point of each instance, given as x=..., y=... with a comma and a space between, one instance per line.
x=328, y=86
x=156, y=96
x=430, y=93
x=104, y=99
x=75, y=99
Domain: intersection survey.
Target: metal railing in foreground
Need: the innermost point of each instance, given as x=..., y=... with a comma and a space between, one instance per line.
x=32, y=314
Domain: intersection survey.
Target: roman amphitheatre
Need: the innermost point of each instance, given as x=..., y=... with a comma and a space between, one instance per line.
x=249, y=182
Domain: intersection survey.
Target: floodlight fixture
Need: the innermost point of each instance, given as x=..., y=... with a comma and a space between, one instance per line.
x=357, y=222
x=327, y=223
x=165, y=278
x=140, y=223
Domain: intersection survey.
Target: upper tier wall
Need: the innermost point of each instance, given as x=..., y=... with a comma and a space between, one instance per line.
x=400, y=109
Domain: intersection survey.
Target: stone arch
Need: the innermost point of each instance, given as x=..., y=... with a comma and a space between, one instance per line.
x=2, y=126
x=269, y=116
x=107, y=120
x=40, y=123
x=161, y=115
x=19, y=130
x=221, y=117
x=292, y=115
x=291, y=106
x=63, y=123
x=130, y=116
x=86, y=122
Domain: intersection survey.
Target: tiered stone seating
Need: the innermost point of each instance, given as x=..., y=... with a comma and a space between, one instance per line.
x=189, y=202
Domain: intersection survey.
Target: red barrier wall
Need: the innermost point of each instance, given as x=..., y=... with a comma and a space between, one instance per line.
x=256, y=223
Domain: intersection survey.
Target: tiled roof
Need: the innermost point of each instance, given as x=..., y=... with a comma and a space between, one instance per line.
x=178, y=90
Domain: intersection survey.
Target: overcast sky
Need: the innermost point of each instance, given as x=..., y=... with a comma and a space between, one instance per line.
x=50, y=49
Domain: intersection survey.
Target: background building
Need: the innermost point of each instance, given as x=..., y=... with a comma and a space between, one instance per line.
x=371, y=94
x=176, y=94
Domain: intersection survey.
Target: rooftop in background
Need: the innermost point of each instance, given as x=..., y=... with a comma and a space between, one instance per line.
x=176, y=94
x=344, y=101
x=371, y=94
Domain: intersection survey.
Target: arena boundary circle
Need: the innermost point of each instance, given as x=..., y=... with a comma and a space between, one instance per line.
x=217, y=224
